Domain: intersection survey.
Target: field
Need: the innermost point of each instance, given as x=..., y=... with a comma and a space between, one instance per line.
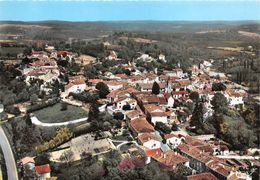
x=11, y=50
x=53, y=114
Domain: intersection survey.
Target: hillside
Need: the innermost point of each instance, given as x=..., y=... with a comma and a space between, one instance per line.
x=62, y=30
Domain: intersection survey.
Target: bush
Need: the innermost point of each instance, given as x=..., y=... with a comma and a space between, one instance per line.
x=126, y=107
x=162, y=128
x=43, y=105
x=64, y=106
x=13, y=110
x=118, y=116
x=63, y=134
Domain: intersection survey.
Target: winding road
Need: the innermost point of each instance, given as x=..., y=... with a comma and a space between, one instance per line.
x=9, y=157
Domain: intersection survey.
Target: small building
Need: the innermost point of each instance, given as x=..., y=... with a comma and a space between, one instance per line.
x=43, y=171
x=124, y=101
x=140, y=125
x=76, y=86
x=147, y=87
x=169, y=160
x=150, y=140
x=173, y=141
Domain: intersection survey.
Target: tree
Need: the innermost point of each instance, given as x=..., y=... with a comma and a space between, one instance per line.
x=33, y=98
x=28, y=120
x=41, y=159
x=126, y=107
x=174, y=127
x=93, y=112
x=127, y=72
x=118, y=116
x=64, y=106
x=219, y=103
x=197, y=116
x=103, y=89
x=194, y=96
x=162, y=127
x=90, y=71
x=155, y=88
x=13, y=110
x=218, y=87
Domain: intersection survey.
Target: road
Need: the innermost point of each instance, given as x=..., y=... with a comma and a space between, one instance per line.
x=9, y=157
x=37, y=122
x=239, y=157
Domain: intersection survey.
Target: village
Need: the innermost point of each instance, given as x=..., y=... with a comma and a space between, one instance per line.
x=148, y=116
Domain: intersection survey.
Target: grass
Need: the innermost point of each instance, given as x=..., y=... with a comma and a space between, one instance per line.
x=53, y=114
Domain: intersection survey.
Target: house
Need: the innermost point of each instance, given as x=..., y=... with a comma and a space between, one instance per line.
x=125, y=91
x=197, y=159
x=114, y=85
x=169, y=160
x=155, y=113
x=112, y=56
x=140, y=126
x=76, y=86
x=202, y=176
x=179, y=94
x=28, y=165
x=145, y=57
x=43, y=171
x=138, y=152
x=174, y=73
x=236, y=98
x=184, y=84
x=120, y=103
x=162, y=57
x=150, y=140
x=134, y=114
x=203, y=162
x=147, y=98
x=169, y=99
x=147, y=87
x=173, y=141
x=159, y=117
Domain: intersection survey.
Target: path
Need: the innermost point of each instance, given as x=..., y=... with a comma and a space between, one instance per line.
x=9, y=157
x=37, y=122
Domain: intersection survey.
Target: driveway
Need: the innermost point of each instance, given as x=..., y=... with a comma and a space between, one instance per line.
x=9, y=157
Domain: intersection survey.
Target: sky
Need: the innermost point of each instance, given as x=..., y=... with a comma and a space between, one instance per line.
x=124, y=10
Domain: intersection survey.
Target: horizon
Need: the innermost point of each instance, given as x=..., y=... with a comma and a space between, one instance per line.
x=114, y=11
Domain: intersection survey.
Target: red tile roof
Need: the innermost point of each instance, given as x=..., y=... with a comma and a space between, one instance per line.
x=148, y=136
x=202, y=176
x=180, y=92
x=141, y=125
x=43, y=169
x=170, y=159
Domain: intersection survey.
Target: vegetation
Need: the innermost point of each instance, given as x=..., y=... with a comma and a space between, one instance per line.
x=156, y=88
x=230, y=125
x=161, y=127
x=63, y=135
x=102, y=89
x=56, y=113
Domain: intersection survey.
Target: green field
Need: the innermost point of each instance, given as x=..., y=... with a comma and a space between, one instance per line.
x=53, y=114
